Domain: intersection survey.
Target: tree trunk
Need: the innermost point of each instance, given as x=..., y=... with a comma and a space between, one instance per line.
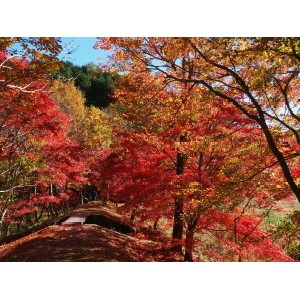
x=156, y=223
x=4, y=230
x=178, y=207
x=281, y=159
x=54, y=209
x=28, y=220
x=178, y=220
x=50, y=207
x=82, y=195
x=50, y=189
x=189, y=240
x=36, y=217
x=41, y=213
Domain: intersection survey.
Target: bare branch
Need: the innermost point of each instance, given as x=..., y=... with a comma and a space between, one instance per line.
x=16, y=187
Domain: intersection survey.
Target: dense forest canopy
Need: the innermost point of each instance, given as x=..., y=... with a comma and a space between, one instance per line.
x=197, y=138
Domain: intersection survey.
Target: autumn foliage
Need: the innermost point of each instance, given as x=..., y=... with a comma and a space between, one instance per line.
x=46, y=138
x=207, y=139
x=201, y=142
x=190, y=165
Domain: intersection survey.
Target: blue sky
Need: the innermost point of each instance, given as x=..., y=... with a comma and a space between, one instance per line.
x=84, y=52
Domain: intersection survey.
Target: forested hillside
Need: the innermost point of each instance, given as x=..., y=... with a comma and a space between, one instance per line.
x=196, y=139
x=97, y=86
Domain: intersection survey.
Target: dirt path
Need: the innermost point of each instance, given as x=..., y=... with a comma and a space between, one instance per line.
x=85, y=243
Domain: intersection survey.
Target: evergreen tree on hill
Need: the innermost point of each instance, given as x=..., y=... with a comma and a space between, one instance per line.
x=97, y=86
